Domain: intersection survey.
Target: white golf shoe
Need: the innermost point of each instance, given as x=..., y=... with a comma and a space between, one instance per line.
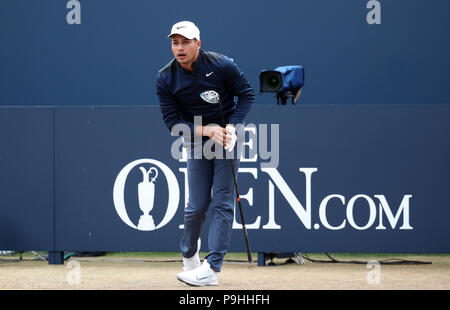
x=201, y=276
x=193, y=262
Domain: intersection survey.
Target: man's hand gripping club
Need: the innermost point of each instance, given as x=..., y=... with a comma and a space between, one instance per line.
x=226, y=137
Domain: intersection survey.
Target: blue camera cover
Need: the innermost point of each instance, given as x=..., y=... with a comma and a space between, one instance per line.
x=293, y=77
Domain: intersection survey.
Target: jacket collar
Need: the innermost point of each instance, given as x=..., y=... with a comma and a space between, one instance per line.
x=195, y=64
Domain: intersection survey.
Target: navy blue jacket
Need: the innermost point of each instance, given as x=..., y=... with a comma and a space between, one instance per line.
x=179, y=91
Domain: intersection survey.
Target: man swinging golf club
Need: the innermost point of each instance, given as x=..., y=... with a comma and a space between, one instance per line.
x=184, y=87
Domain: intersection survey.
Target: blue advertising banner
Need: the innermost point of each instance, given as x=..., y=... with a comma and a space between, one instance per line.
x=353, y=178
x=26, y=178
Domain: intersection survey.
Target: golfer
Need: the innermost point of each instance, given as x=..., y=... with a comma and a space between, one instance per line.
x=179, y=84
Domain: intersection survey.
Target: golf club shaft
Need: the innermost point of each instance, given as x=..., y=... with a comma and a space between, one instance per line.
x=247, y=244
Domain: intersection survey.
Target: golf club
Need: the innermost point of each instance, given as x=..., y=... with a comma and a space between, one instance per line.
x=213, y=97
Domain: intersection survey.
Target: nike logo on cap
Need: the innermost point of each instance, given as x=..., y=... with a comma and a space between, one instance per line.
x=208, y=74
x=179, y=27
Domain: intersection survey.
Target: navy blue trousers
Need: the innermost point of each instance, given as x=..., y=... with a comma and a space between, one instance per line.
x=211, y=185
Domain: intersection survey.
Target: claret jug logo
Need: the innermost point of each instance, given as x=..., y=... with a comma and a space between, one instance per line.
x=146, y=190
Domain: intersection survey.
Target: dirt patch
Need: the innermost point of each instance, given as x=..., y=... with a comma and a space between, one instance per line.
x=137, y=274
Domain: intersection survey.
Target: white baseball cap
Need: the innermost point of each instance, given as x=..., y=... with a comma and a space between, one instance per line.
x=186, y=29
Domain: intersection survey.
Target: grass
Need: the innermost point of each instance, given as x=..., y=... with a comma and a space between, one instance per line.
x=376, y=255
x=176, y=255
x=242, y=255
